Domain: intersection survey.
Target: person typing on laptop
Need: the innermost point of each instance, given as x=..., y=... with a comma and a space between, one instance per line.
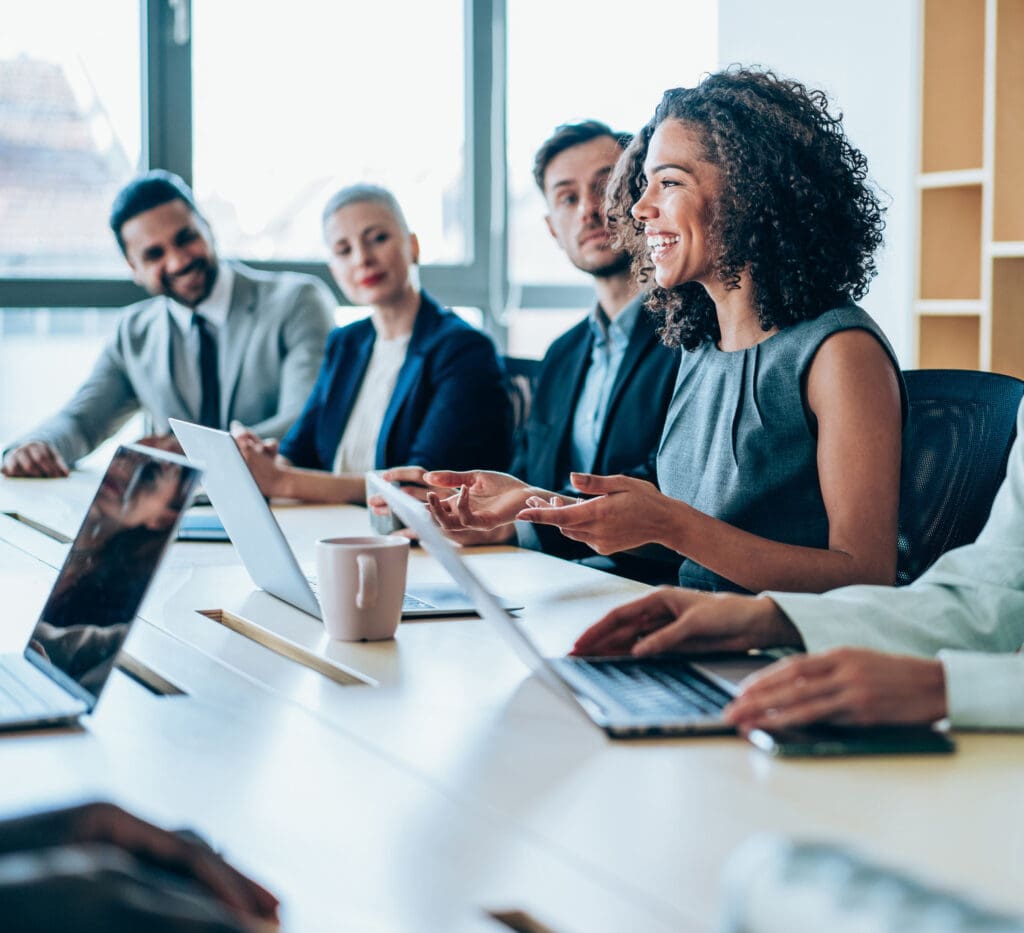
x=946, y=646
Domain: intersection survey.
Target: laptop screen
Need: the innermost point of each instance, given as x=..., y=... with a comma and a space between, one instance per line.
x=414, y=515
x=111, y=562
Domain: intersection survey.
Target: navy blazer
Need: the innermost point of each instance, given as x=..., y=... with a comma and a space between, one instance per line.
x=449, y=409
x=628, y=442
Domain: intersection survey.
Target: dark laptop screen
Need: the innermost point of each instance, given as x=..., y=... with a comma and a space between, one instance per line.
x=109, y=567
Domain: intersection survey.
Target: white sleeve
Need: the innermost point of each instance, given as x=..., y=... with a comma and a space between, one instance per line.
x=984, y=691
x=971, y=599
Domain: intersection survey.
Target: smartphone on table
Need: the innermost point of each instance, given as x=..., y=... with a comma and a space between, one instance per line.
x=825, y=740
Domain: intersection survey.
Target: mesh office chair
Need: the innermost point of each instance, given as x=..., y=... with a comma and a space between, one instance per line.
x=520, y=376
x=955, y=446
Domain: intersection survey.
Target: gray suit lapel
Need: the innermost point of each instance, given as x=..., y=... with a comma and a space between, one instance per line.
x=237, y=331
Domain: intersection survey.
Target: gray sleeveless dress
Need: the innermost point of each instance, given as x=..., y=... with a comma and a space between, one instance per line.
x=739, y=442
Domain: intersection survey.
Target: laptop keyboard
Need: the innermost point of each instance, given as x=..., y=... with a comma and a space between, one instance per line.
x=16, y=699
x=412, y=604
x=409, y=603
x=653, y=687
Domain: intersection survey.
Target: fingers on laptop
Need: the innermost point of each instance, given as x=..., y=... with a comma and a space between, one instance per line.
x=793, y=691
x=617, y=632
x=407, y=475
x=35, y=460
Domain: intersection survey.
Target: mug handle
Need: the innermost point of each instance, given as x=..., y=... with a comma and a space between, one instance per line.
x=366, y=597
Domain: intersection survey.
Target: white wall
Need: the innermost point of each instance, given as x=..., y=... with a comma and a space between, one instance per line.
x=865, y=55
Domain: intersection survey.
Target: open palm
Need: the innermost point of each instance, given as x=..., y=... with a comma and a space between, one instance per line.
x=483, y=499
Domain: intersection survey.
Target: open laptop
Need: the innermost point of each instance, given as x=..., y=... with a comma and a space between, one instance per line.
x=627, y=697
x=92, y=606
x=266, y=553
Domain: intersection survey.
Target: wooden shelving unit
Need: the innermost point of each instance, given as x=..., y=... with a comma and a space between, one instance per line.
x=970, y=274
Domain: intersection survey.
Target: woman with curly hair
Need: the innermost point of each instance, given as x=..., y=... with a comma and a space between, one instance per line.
x=779, y=462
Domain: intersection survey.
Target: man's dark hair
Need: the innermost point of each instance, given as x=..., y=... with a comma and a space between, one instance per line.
x=146, y=192
x=568, y=135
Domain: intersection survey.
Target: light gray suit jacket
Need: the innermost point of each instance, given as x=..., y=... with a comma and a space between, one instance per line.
x=968, y=604
x=270, y=350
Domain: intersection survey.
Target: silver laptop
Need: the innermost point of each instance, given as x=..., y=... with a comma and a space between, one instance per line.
x=627, y=697
x=266, y=553
x=92, y=606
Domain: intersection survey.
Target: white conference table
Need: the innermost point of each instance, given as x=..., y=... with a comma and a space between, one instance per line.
x=457, y=782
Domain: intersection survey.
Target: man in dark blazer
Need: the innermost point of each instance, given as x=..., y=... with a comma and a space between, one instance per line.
x=604, y=386
x=217, y=343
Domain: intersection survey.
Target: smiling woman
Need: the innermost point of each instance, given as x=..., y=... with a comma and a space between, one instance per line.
x=784, y=195
x=676, y=206
x=779, y=462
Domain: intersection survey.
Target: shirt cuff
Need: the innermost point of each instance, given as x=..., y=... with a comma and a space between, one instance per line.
x=984, y=691
x=818, y=624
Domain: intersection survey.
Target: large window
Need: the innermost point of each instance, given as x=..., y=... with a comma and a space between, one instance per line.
x=45, y=354
x=578, y=60
x=350, y=92
x=267, y=108
x=70, y=133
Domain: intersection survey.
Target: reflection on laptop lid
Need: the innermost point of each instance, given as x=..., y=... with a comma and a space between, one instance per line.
x=99, y=589
x=626, y=697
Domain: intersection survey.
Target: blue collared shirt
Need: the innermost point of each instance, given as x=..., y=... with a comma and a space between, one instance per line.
x=610, y=340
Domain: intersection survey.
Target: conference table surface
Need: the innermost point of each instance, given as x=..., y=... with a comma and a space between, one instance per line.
x=454, y=782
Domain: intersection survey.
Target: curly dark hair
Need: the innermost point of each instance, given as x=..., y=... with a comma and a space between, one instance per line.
x=796, y=208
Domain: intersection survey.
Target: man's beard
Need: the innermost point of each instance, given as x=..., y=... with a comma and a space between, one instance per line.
x=619, y=264
x=209, y=267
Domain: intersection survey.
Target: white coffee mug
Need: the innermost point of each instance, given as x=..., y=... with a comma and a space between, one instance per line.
x=361, y=584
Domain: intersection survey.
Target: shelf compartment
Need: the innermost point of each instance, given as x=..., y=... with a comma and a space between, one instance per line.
x=1008, y=316
x=951, y=243
x=954, y=85
x=1008, y=213
x=949, y=341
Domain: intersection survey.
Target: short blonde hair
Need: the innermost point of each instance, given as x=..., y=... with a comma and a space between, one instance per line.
x=361, y=193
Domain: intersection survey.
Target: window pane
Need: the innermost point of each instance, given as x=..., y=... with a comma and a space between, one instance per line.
x=45, y=354
x=276, y=133
x=69, y=133
x=588, y=59
x=532, y=330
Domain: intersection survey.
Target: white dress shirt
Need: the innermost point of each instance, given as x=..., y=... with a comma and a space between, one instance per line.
x=358, y=446
x=185, y=338
x=967, y=607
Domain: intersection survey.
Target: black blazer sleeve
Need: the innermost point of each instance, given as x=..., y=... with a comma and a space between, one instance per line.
x=299, y=445
x=464, y=420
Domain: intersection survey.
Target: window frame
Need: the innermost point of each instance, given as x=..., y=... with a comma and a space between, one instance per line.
x=167, y=131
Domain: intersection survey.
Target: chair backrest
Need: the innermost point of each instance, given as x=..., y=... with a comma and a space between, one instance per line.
x=955, y=447
x=520, y=379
